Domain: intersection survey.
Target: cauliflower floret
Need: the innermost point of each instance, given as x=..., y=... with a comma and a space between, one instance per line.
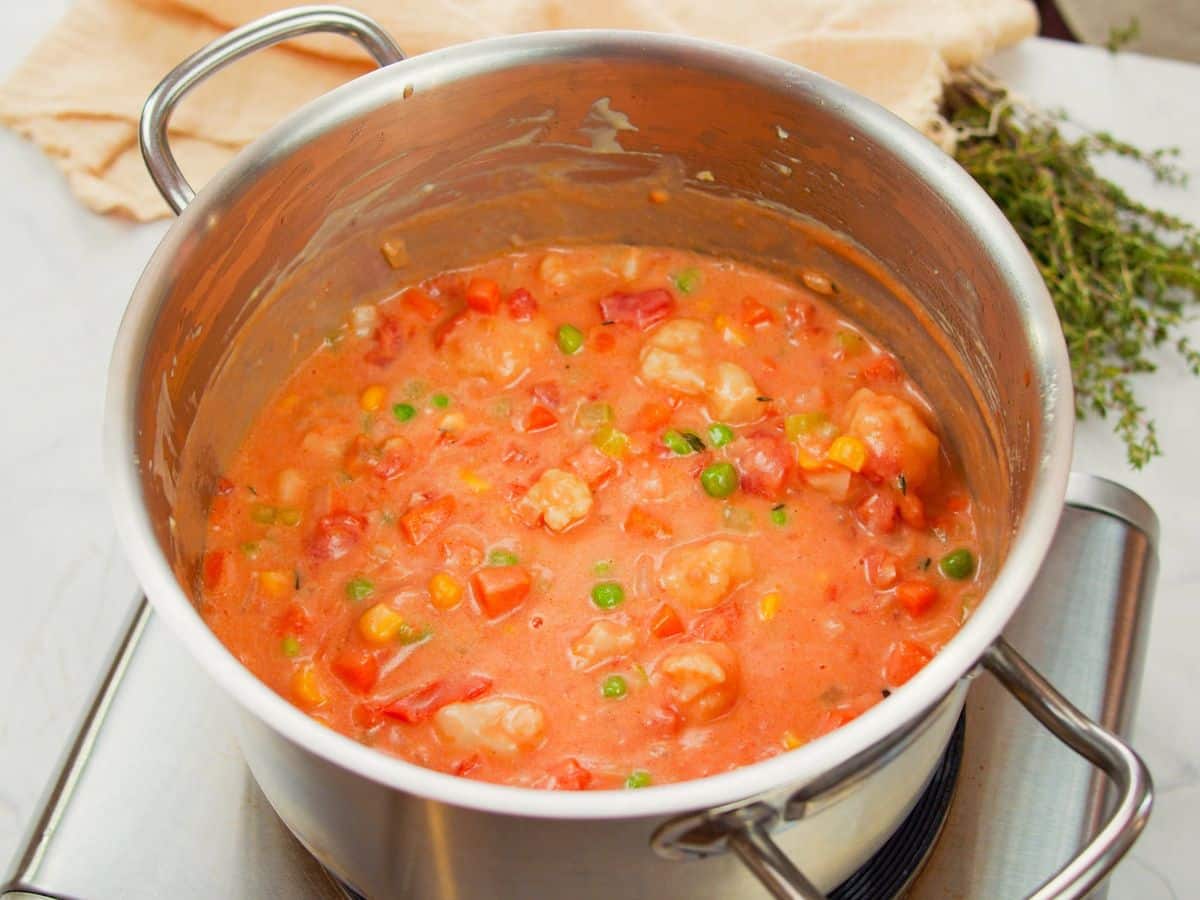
x=898, y=439
x=500, y=725
x=702, y=575
x=605, y=640
x=497, y=348
x=701, y=680
x=558, y=498
x=733, y=395
x=674, y=357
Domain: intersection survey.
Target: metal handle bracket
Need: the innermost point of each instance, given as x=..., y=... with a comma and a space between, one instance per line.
x=257, y=35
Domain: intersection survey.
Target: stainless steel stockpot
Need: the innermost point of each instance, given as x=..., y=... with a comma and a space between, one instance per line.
x=557, y=138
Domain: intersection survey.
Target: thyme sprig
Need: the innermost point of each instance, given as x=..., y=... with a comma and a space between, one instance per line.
x=1123, y=276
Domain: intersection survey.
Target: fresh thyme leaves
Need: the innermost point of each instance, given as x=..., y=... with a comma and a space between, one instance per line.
x=1122, y=275
x=1120, y=37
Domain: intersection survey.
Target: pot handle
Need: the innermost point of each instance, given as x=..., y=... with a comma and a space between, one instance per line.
x=256, y=35
x=746, y=831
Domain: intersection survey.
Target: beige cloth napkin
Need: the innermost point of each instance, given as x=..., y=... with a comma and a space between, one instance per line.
x=79, y=94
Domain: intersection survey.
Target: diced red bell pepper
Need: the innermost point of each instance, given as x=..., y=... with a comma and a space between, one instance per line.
x=764, y=462
x=916, y=596
x=293, y=621
x=881, y=368
x=388, y=337
x=755, y=313
x=396, y=456
x=665, y=622
x=336, y=534
x=483, y=295
x=602, y=340
x=878, y=513
x=539, y=418
x=500, y=589
x=569, y=775
x=420, y=705
x=652, y=416
x=904, y=660
x=425, y=519
x=422, y=304
x=640, y=310
x=358, y=667
x=216, y=564
x=521, y=305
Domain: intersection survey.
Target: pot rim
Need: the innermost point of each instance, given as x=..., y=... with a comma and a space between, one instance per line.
x=382, y=87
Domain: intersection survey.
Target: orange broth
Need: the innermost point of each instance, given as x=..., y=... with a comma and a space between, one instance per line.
x=591, y=518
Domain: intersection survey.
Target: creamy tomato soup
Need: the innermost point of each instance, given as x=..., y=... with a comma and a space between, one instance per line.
x=591, y=518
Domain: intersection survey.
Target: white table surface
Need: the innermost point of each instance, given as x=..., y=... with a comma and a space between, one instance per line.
x=68, y=274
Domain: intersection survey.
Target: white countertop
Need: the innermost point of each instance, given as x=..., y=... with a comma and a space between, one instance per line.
x=69, y=588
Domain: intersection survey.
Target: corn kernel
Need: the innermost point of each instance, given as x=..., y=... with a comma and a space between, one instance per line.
x=790, y=741
x=847, y=450
x=475, y=482
x=768, y=606
x=444, y=591
x=372, y=398
x=307, y=686
x=808, y=462
x=659, y=196
x=452, y=423
x=380, y=624
x=728, y=332
x=275, y=583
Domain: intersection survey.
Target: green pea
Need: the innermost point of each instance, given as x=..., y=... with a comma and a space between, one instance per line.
x=719, y=434
x=359, y=588
x=608, y=594
x=290, y=646
x=614, y=687
x=958, y=564
x=404, y=411
x=688, y=280
x=502, y=557
x=441, y=401
x=682, y=442
x=262, y=514
x=570, y=339
x=779, y=515
x=639, y=778
x=719, y=480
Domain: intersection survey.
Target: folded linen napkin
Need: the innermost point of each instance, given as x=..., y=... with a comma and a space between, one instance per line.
x=79, y=94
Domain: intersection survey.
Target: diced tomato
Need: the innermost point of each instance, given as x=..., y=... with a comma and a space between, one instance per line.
x=214, y=568
x=569, y=775
x=641, y=310
x=665, y=622
x=591, y=465
x=358, y=667
x=483, y=295
x=294, y=621
x=388, y=337
x=336, y=534
x=602, y=340
x=364, y=715
x=916, y=596
x=652, y=416
x=720, y=624
x=420, y=705
x=764, y=462
x=904, y=660
x=521, y=305
x=644, y=524
x=224, y=486
x=461, y=554
x=396, y=456
x=422, y=304
x=957, y=502
x=425, y=519
x=663, y=721
x=877, y=513
x=881, y=567
x=548, y=394
x=539, y=418
x=500, y=589
x=754, y=313
x=882, y=368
